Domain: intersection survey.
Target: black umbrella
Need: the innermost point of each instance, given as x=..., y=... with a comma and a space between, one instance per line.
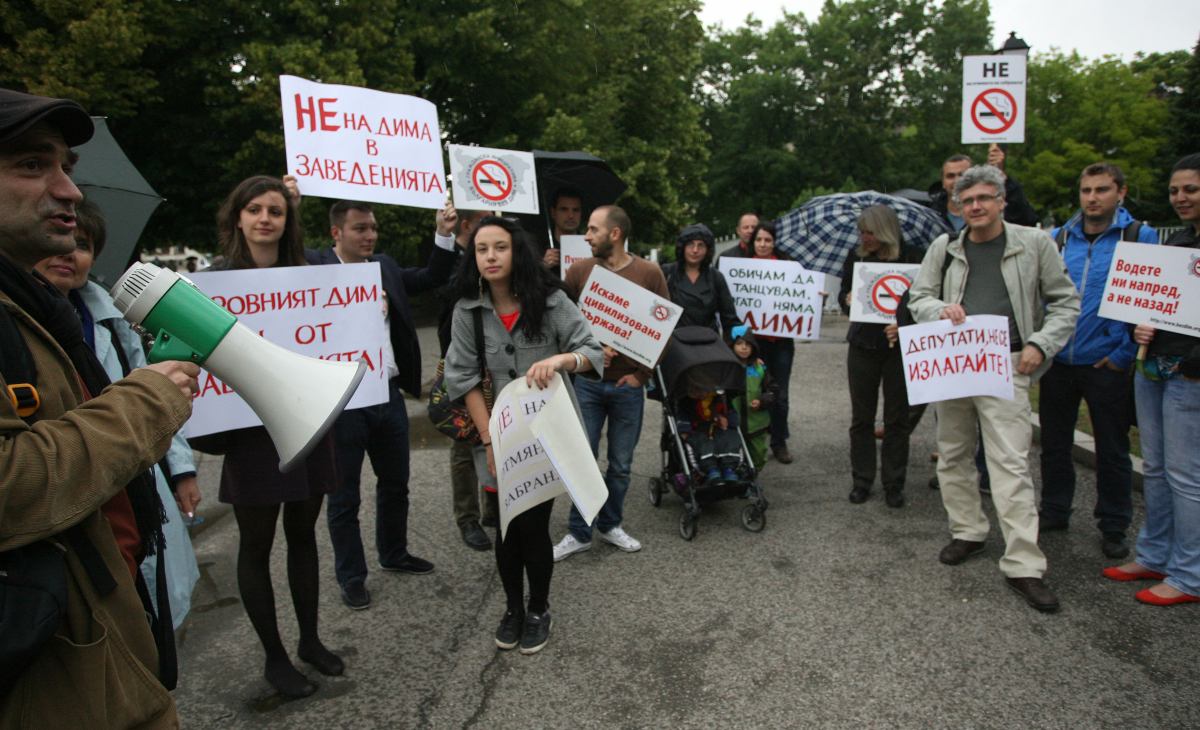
x=109, y=179
x=585, y=173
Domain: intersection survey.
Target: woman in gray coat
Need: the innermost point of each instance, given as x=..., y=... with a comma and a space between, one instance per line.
x=530, y=328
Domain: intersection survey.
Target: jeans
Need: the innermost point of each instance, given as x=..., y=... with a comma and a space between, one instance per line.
x=778, y=357
x=381, y=432
x=865, y=370
x=1169, y=423
x=623, y=408
x=1107, y=394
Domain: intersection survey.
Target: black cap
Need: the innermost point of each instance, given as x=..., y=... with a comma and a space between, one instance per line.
x=19, y=112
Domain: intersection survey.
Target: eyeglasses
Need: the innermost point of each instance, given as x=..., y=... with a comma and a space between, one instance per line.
x=981, y=199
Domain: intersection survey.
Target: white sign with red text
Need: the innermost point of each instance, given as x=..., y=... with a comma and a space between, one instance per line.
x=537, y=439
x=632, y=320
x=329, y=312
x=572, y=249
x=489, y=179
x=777, y=298
x=346, y=142
x=1154, y=285
x=943, y=361
x=993, y=101
x=876, y=290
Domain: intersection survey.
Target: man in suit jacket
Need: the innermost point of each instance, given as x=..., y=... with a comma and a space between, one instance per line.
x=380, y=431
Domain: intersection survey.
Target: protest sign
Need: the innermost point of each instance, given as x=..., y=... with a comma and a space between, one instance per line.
x=489, y=179
x=1155, y=285
x=778, y=298
x=876, y=289
x=539, y=445
x=993, y=99
x=350, y=143
x=572, y=249
x=330, y=312
x=632, y=320
x=944, y=361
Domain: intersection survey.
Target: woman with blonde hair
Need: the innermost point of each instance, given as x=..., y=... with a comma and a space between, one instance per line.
x=872, y=358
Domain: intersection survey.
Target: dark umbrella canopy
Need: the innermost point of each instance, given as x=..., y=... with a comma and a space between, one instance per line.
x=586, y=173
x=109, y=179
x=821, y=232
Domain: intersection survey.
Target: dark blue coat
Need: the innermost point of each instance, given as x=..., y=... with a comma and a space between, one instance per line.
x=398, y=283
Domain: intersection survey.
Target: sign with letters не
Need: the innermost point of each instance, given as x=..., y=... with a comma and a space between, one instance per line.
x=1155, y=285
x=346, y=142
x=541, y=451
x=876, y=290
x=993, y=106
x=777, y=298
x=572, y=249
x=944, y=361
x=489, y=179
x=330, y=312
x=632, y=320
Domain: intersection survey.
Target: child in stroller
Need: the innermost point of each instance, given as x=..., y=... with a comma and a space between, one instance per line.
x=712, y=446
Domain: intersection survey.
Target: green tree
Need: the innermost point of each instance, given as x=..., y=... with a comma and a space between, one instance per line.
x=1185, y=109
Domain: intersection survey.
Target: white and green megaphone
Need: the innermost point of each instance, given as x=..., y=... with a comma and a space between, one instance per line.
x=297, y=397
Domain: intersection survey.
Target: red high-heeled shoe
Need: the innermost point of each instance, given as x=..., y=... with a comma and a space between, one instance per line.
x=1152, y=598
x=1115, y=573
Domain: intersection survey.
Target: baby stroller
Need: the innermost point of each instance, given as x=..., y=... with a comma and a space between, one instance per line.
x=697, y=356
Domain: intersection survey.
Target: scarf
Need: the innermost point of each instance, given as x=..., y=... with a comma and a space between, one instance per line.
x=54, y=313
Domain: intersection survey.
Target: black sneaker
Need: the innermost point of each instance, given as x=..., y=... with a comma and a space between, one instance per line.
x=474, y=537
x=894, y=498
x=509, y=631
x=536, y=633
x=1114, y=545
x=355, y=595
x=409, y=563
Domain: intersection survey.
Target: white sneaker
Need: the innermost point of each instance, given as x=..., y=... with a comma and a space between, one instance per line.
x=568, y=546
x=620, y=538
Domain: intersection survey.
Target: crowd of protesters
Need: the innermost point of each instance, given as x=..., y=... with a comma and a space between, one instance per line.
x=508, y=308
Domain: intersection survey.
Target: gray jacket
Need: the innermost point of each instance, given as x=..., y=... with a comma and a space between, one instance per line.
x=509, y=355
x=1044, y=300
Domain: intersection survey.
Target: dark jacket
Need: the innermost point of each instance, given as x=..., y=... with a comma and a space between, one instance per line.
x=1169, y=343
x=1016, y=209
x=870, y=334
x=398, y=283
x=702, y=301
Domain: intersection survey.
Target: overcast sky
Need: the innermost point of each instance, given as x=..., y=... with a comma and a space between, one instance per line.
x=1093, y=27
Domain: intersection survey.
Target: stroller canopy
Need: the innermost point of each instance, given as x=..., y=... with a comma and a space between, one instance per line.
x=698, y=356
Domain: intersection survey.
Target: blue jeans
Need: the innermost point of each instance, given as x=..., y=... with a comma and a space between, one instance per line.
x=778, y=357
x=623, y=408
x=1169, y=422
x=381, y=432
x=1107, y=393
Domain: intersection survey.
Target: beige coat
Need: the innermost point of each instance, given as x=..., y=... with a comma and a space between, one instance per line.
x=99, y=670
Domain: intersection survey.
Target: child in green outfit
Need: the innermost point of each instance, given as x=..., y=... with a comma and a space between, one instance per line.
x=753, y=406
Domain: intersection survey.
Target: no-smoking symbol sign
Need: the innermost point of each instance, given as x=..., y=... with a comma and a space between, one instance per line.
x=492, y=179
x=994, y=111
x=886, y=293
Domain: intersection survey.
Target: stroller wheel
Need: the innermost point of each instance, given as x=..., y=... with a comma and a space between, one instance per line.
x=687, y=526
x=753, y=519
x=656, y=491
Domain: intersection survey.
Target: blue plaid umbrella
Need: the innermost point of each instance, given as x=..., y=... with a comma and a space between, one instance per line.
x=821, y=232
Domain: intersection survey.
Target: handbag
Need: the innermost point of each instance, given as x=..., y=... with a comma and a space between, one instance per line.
x=450, y=416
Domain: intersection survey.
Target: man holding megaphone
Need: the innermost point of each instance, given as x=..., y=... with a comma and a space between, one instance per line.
x=380, y=431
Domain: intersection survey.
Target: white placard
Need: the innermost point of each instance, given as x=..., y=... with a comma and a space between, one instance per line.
x=351, y=143
x=993, y=106
x=572, y=249
x=777, y=298
x=876, y=289
x=632, y=320
x=483, y=178
x=943, y=361
x=330, y=312
x=541, y=451
x=1155, y=285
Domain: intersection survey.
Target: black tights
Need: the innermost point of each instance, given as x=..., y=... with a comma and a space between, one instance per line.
x=527, y=549
x=256, y=527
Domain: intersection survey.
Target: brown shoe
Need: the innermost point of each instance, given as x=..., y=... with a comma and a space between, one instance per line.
x=782, y=455
x=959, y=550
x=1035, y=592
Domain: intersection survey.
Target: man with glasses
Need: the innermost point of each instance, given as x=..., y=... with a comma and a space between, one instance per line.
x=1015, y=272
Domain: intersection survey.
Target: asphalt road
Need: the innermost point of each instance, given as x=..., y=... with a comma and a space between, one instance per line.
x=836, y=615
